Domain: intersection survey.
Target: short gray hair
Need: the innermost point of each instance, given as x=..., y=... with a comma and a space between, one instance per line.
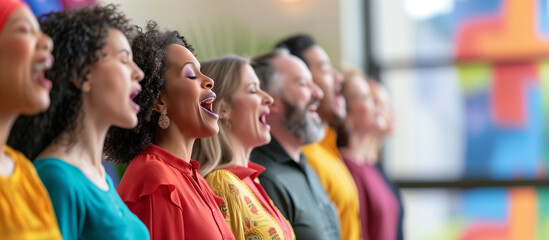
x=265, y=70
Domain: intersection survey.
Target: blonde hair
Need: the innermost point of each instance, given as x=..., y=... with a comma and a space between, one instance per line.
x=214, y=152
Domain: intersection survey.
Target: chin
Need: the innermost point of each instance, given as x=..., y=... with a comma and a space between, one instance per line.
x=211, y=130
x=38, y=106
x=265, y=140
x=128, y=122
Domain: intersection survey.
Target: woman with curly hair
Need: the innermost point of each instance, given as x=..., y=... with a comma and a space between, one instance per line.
x=94, y=82
x=25, y=54
x=224, y=158
x=162, y=185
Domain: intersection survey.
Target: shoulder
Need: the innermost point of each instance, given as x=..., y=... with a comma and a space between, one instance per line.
x=145, y=174
x=219, y=177
x=311, y=149
x=266, y=161
x=315, y=154
x=223, y=182
x=55, y=170
x=147, y=168
x=261, y=156
x=19, y=160
x=54, y=174
x=15, y=155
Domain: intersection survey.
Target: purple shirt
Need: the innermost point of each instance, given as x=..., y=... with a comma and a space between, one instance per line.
x=379, y=209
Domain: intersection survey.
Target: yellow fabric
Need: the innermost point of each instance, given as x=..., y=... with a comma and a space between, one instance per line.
x=25, y=207
x=325, y=159
x=244, y=223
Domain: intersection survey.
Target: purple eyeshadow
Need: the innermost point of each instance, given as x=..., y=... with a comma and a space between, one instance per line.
x=189, y=72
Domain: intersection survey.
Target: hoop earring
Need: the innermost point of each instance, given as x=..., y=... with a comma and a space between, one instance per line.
x=164, y=120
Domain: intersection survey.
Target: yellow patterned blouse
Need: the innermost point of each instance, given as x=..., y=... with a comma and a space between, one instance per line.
x=325, y=159
x=25, y=207
x=246, y=206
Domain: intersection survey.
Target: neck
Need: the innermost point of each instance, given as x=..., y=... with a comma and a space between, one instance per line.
x=88, y=147
x=289, y=143
x=362, y=147
x=6, y=122
x=241, y=153
x=6, y=163
x=174, y=142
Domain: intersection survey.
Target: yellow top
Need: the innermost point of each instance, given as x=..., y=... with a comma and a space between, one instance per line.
x=25, y=207
x=242, y=207
x=325, y=159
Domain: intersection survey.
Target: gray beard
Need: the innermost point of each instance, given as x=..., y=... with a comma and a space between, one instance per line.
x=297, y=122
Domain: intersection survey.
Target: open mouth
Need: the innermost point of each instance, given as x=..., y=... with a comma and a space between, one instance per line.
x=207, y=104
x=263, y=119
x=40, y=68
x=313, y=107
x=312, y=110
x=135, y=93
x=132, y=96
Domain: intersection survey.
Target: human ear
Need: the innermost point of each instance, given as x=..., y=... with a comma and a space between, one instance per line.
x=85, y=86
x=224, y=110
x=160, y=103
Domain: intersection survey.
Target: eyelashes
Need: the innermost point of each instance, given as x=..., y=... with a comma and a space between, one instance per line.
x=189, y=73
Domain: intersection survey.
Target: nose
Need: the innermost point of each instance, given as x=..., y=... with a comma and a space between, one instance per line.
x=207, y=82
x=45, y=43
x=138, y=74
x=317, y=92
x=267, y=99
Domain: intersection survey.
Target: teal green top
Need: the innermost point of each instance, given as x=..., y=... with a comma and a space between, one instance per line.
x=83, y=210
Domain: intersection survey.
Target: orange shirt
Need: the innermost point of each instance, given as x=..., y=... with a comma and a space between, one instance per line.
x=25, y=207
x=171, y=198
x=325, y=159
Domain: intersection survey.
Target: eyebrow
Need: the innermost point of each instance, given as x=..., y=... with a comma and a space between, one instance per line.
x=23, y=19
x=124, y=51
x=185, y=64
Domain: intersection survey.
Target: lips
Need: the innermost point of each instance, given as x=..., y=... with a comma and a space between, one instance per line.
x=207, y=105
x=135, y=92
x=40, y=68
x=133, y=95
x=313, y=107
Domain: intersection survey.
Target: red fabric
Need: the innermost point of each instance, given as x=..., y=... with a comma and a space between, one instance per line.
x=6, y=8
x=249, y=175
x=171, y=198
x=379, y=209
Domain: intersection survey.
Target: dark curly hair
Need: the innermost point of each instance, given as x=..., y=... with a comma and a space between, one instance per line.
x=149, y=53
x=77, y=35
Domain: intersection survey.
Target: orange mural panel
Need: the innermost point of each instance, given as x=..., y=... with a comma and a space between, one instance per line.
x=523, y=214
x=509, y=35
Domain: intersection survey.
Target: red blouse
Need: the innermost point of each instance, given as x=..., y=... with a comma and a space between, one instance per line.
x=172, y=198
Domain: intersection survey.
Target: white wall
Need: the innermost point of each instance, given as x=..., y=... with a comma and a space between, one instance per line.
x=249, y=27
x=352, y=36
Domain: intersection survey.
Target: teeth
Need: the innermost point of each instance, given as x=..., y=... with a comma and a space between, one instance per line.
x=208, y=100
x=42, y=66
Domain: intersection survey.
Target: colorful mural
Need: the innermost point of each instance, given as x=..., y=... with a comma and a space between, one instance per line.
x=493, y=125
